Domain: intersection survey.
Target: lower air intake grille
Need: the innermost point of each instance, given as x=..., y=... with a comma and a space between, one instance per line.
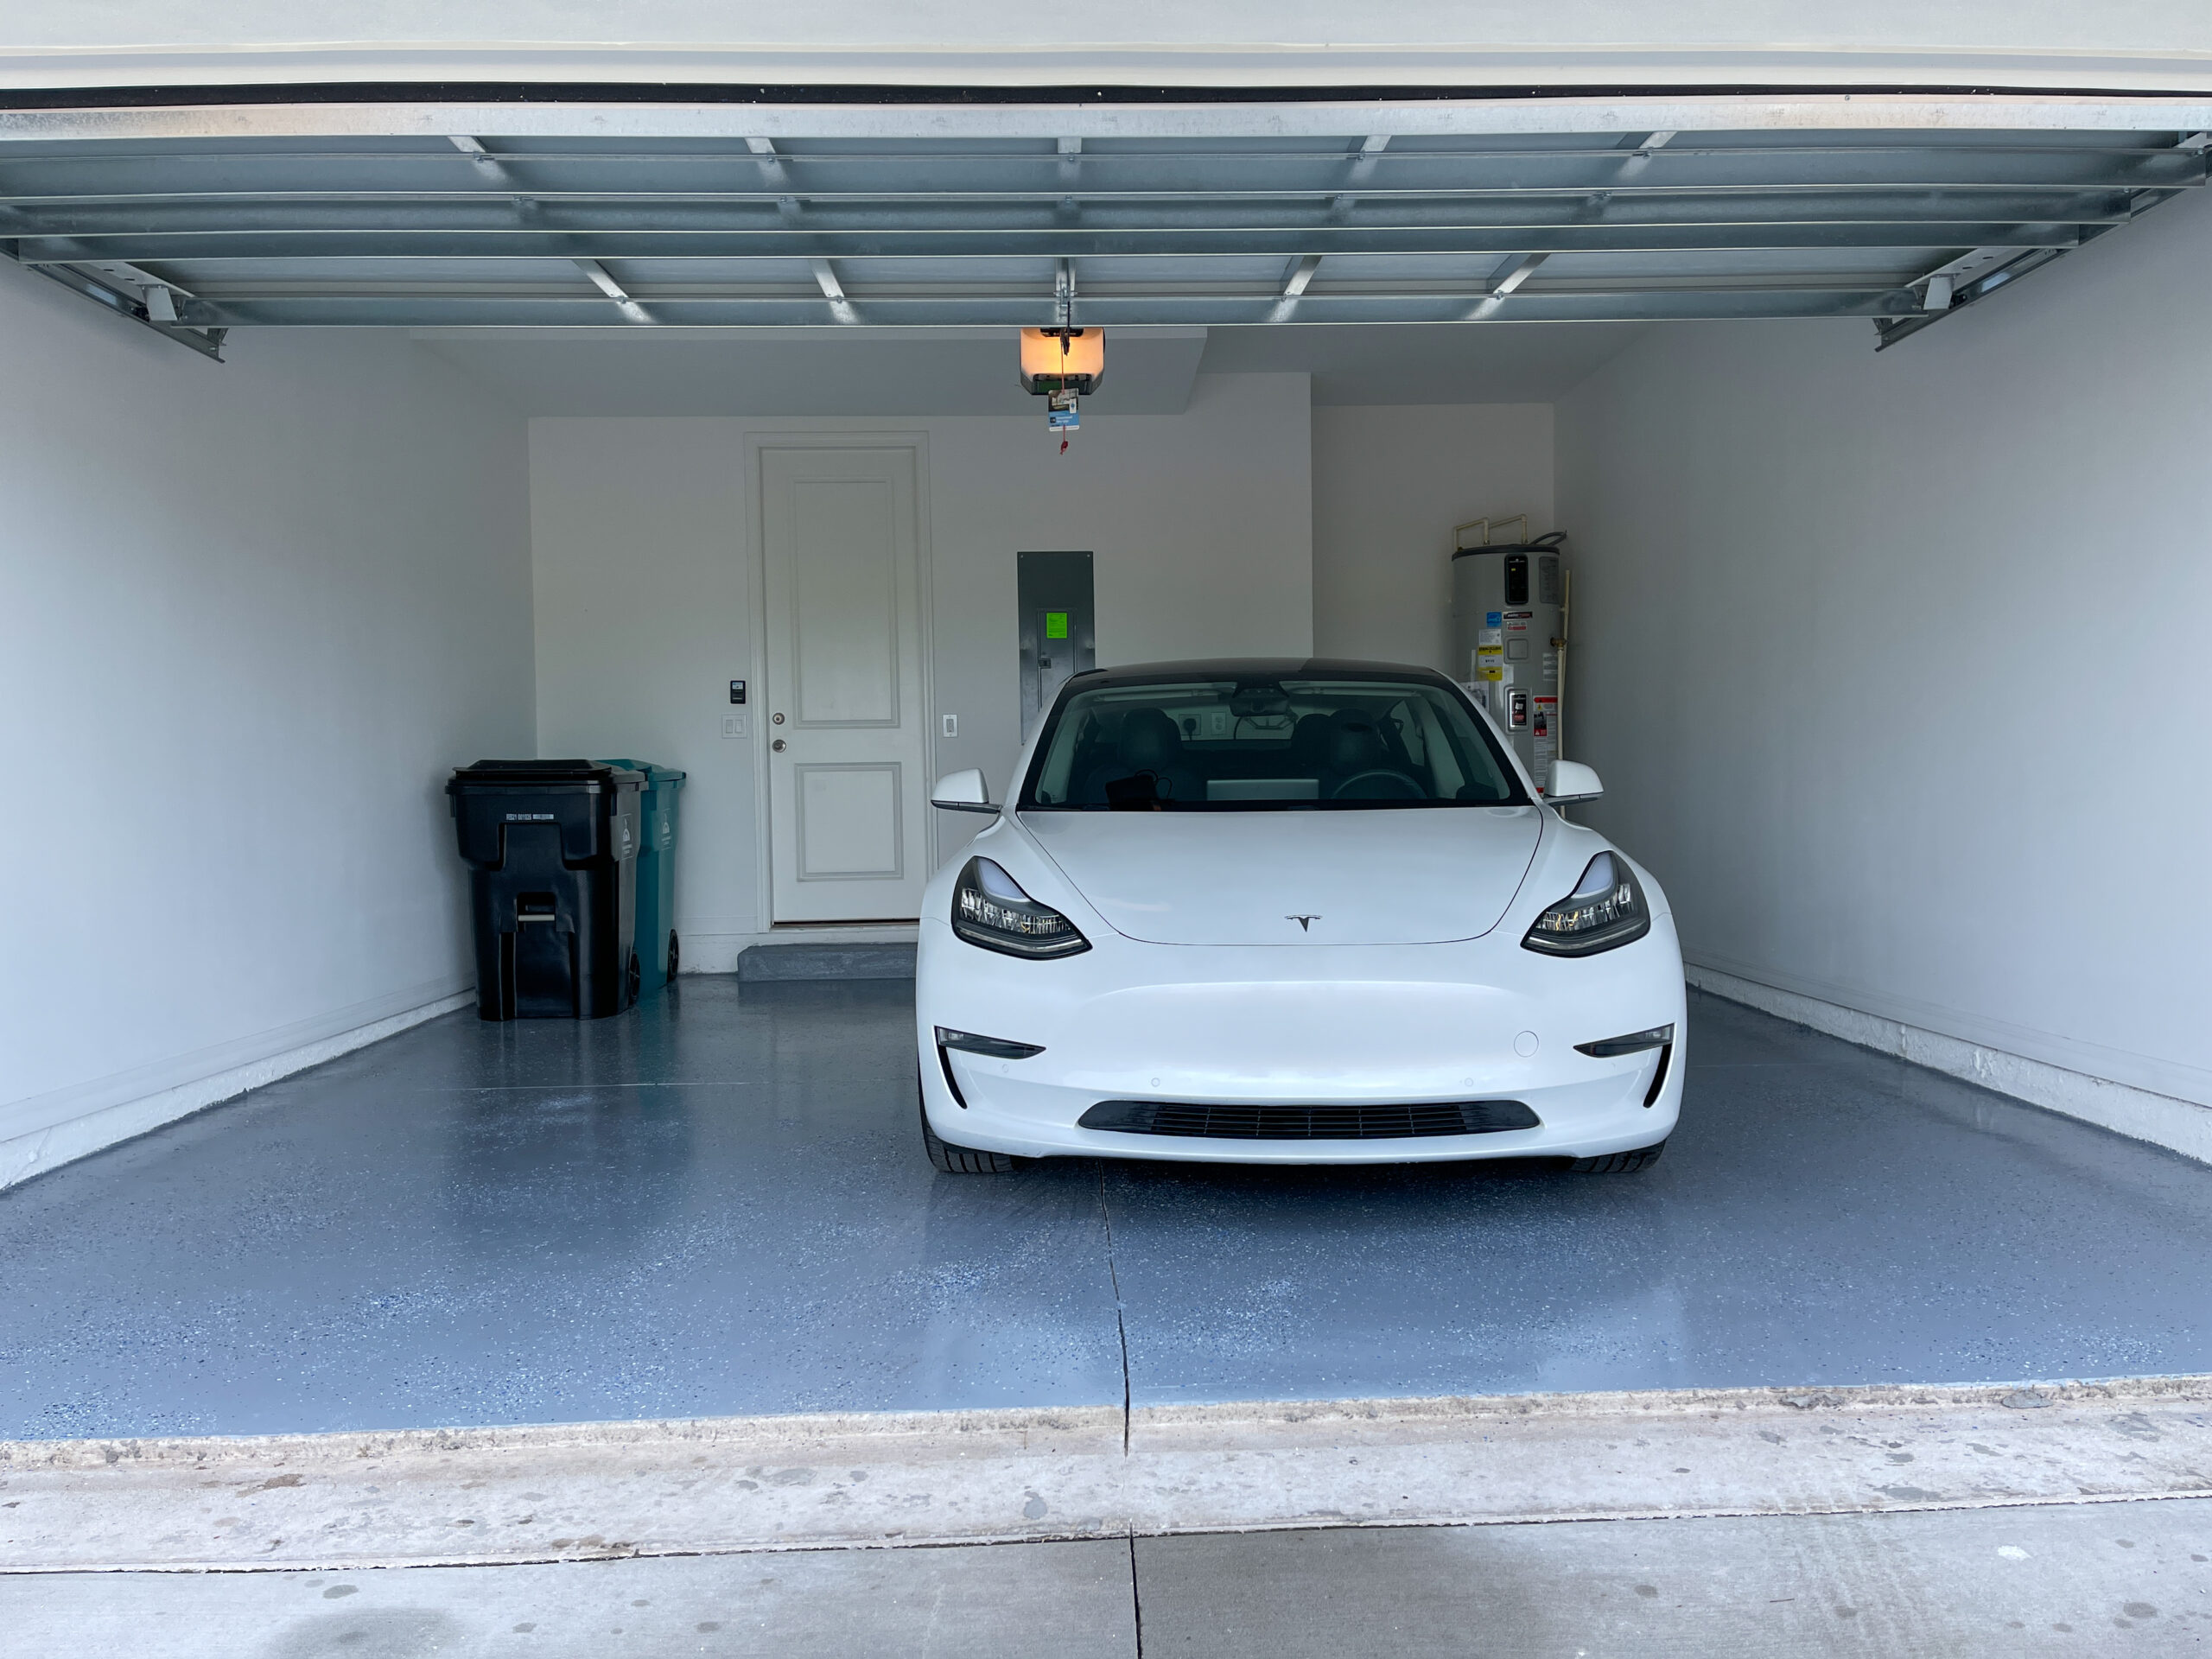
x=1308, y=1122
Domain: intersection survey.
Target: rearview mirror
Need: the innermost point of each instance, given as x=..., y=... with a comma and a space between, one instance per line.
x=1572, y=781
x=963, y=792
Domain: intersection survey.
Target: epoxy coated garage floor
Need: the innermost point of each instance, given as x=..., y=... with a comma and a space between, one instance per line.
x=718, y=1204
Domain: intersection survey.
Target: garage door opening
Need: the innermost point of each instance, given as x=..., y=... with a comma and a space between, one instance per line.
x=1820, y=472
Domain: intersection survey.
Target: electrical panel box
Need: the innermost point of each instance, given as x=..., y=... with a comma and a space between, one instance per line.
x=1509, y=637
x=1058, y=637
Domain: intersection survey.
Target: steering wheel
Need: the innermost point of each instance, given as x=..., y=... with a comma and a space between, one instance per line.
x=1406, y=789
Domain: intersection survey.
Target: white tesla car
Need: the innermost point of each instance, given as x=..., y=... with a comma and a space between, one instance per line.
x=1289, y=912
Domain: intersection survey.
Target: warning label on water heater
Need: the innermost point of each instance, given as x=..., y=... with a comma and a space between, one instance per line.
x=1544, y=730
x=1490, y=662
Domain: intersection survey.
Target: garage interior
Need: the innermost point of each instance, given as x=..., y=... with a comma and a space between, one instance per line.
x=352, y=441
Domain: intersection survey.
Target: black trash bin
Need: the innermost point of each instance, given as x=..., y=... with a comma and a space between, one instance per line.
x=552, y=853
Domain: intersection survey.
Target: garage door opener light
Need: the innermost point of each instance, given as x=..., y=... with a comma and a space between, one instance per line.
x=1060, y=364
x=1063, y=364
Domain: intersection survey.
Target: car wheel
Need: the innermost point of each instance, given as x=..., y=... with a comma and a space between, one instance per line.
x=964, y=1161
x=1619, y=1163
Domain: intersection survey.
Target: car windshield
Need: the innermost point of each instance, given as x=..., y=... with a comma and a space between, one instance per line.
x=1273, y=745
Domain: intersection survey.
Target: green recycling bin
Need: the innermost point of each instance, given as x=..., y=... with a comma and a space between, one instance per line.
x=656, y=934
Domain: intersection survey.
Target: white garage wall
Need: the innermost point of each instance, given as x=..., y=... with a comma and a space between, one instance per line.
x=1389, y=482
x=1895, y=666
x=643, y=542
x=250, y=614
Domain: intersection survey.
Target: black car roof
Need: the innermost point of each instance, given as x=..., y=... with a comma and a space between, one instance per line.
x=1252, y=668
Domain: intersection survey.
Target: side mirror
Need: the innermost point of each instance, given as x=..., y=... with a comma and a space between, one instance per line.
x=1572, y=781
x=963, y=792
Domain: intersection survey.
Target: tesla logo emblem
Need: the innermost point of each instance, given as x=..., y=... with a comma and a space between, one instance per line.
x=1305, y=923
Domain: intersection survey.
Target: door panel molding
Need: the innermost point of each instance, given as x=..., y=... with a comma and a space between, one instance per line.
x=828, y=802
x=852, y=688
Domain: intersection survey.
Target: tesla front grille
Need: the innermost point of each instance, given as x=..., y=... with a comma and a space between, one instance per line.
x=1308, y=1122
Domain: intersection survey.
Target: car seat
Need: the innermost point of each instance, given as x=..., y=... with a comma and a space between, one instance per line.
x=1148, y=744
x=1357, y=747
x=1309, y=745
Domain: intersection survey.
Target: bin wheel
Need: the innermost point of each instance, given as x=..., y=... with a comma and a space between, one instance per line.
x=632, y=979
x=671, y=953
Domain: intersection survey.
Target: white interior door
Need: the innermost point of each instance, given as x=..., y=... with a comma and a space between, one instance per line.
x=847, y=797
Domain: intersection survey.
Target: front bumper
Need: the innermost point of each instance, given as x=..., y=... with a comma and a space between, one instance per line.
x=1315, y=1024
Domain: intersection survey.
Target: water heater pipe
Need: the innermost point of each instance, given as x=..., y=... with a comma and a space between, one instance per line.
x=1558, y=656
x=1459, y=531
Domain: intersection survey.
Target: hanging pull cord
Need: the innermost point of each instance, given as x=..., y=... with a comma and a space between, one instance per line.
x=1064, y=294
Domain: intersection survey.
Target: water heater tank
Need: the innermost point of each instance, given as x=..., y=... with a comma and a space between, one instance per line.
x=1508, y=615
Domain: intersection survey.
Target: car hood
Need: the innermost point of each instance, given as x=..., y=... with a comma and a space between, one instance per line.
x=1405, y=877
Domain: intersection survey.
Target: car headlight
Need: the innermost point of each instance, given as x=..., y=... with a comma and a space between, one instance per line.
x=1605, y=910
x=990, y=909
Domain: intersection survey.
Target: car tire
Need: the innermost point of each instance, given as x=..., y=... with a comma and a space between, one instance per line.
x=1619, y=1163
x=964, y=1161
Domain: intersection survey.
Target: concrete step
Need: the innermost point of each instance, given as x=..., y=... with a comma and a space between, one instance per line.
x=889, y=960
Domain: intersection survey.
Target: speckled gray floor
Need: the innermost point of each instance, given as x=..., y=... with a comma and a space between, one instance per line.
x=718, y=1204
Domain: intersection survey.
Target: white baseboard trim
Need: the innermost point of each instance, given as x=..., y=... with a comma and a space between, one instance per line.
x=2181, y=1125
x=41, y=1150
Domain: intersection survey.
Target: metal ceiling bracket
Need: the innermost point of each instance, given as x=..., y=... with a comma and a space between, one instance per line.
x=825, y=278
x=1889, y=331
x=144, y=306
x=1509, y=276
x=603, y=280
x=1977, y=275
x=1294, y=286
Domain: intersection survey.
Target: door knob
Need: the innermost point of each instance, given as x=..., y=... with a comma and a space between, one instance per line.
x=778, y=746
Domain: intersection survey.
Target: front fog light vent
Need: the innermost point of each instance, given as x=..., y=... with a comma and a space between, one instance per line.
x=990, y=909
x=1635, y=1042
x=999, y=1048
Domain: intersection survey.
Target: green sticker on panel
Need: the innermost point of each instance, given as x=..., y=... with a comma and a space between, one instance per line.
x=1056, y=625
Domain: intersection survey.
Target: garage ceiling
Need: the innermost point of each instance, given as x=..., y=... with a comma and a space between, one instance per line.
x=199, y=235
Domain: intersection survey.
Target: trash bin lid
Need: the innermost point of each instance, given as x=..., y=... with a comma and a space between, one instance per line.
x=504, y=774
x=656, y=774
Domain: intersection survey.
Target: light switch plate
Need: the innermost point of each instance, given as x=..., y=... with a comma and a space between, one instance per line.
x=952, y=725
x=736, y=726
